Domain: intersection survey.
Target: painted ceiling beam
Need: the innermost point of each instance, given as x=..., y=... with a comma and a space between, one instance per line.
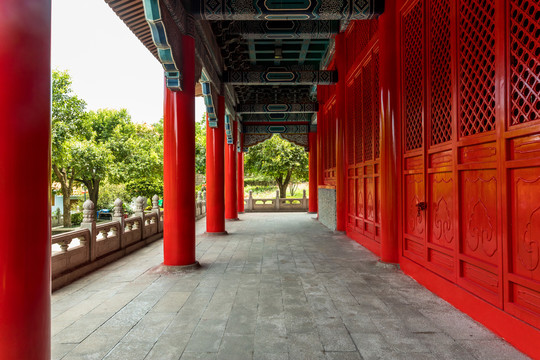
x=280, y=77
x=276, y=108
x=287, y=10
x=275, y=129
x=277, y=117
x=271, y=30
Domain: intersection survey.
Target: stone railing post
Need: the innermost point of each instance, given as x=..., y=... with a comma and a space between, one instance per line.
x=198, y=204
x=304, y=200
x=155, y=204
x=277, y=200
x=140, y=204
x=139, y=207
x=250, y=201
x=204, y=200
x=89, y=222
x=118, y=215
x=156, y=209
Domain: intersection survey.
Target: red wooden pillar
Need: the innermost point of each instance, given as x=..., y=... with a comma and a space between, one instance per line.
x=390, y=130
x=179, y=165
x=313, y=172
x=231, y=197
x=341, y=167
x=25, y=130
x=215, y=171
x=240, y=167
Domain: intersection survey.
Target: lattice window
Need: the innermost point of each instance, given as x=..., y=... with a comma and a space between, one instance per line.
x=441, y=73
x=367, y=111
x=376, y=106
x=358, y=154
x=525, y=61
x=413, y=76
x=476, y=66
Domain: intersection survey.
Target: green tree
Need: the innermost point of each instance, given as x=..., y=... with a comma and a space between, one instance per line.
x=279, y=159
x=139, y=160
x=69, y=124
x=200, y=145
x=102, y=148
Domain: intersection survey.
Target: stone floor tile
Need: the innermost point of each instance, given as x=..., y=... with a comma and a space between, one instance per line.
x=236, y=347
x=270, y=356
x=171, y=302
x=189, y=355
x=137, y=350
x=280, y=286
x=496, y=349
x=207, y=336
x=168, y=347
x=349, y=355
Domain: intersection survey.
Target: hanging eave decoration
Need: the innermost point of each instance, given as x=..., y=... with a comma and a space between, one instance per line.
x=156, y=23
x=238, y=136
x=229, y=129
x=209, y=102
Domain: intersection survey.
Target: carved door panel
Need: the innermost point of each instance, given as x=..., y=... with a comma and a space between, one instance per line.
x=478, y=161
x=522, y=249
x=413, y=89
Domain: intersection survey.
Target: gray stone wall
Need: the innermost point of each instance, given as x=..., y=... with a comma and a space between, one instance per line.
x=327, y=208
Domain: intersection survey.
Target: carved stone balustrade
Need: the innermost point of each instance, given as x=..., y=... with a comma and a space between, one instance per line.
x=276, y=204
x=95, y=245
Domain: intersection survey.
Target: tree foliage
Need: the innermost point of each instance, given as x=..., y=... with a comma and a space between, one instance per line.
x=200, y=145
x=102, y=146
x=279, y=159
x=68, y=125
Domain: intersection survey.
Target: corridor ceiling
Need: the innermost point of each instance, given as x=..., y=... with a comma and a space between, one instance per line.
x=265, y=56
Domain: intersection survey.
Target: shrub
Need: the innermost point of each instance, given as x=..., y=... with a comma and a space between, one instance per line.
x=77, y=218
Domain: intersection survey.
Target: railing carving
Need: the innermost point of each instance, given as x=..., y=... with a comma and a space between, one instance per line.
x=76, y=253
x=276, y=204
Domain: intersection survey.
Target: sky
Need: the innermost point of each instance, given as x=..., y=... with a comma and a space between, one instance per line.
x=109, y=66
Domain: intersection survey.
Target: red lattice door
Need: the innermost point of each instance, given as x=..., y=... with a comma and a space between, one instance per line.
x=414, y=199
x=429, y=177
x=522, y=165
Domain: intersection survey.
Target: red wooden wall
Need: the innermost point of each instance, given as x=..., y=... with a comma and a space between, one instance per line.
x=362, y=135
x=470, y=88
x=470, y=126
x=327, y=126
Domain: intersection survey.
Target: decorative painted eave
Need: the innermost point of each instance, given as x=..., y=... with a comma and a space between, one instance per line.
x=280, y=77
x=296, y=134
x=131, y=12
x=282, y=10
x=238, y=136
x=169, y=53
x=272, y=30
x=277, y=108
x=209, y=102
x=229, y=129
x=276, y=129
x=281, y=117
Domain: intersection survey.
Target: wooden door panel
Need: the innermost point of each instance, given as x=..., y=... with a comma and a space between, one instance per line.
x=441, y=224
x=351, y=200
x=360, y=198
x=480, y=243
x=441, y=210
x=523, y=298
x=414, y=226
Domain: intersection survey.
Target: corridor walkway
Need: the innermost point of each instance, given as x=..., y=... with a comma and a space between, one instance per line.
x=280, y=286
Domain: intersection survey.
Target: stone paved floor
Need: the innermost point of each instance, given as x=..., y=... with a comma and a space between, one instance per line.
x=280, y=286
